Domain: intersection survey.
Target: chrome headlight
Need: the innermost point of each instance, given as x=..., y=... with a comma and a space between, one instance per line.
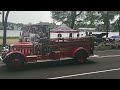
x=1, y=58
x=4, y=51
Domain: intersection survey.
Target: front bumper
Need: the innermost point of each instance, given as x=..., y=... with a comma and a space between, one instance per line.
x=1, y=58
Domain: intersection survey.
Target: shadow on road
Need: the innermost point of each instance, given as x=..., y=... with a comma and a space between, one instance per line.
x=56, y=64
x=46, y=65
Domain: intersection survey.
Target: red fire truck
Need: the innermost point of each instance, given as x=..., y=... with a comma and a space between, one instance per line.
x=35, y=45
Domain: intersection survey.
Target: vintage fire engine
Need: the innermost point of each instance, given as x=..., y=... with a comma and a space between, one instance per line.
x=35, y=45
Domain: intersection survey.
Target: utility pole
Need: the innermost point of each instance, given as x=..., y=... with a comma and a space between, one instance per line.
x=4, y=21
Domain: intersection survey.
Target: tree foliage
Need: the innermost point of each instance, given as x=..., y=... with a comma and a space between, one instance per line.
x=91, y=19
x=69, y=18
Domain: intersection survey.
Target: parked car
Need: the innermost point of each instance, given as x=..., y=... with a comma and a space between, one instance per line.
x=116, y=38
x=98, y=38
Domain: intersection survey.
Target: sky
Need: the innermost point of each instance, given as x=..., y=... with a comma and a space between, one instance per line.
x=33, y=17
x=26, y=17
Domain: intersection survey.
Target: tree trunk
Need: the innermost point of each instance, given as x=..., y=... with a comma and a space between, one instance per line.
x=107, y=23
x=73, y=16
x=119, y=25
x=4, y=21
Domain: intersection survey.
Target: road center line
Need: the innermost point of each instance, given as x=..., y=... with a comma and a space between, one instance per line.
x=107, y=50
x=97, y=56
x=85, y=73
x=109, y=56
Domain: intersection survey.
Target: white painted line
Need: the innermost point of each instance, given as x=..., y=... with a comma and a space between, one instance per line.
x=97, y=56
x=85, y=73
x=106, y=50
x=109, y=56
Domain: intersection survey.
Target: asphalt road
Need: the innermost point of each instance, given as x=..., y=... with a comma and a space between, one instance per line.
x=104, y=65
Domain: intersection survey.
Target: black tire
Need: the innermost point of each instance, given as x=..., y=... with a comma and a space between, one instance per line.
x=81, y=56
x=15, y=62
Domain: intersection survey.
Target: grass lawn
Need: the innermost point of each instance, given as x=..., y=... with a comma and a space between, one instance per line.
x=9, y=40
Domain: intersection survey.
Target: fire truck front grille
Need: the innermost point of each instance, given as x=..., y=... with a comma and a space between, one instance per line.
x=25, y=51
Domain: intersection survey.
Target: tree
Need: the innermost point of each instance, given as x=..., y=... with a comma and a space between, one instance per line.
x=73, y=17
x=106, y=17
x=94, y=19
x=90, y=19
x=118, y=24
x=4, y=21
x=70, y=18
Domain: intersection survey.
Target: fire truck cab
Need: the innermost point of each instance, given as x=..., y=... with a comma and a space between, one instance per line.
x=39, y=47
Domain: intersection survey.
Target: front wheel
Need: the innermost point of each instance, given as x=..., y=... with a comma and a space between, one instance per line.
x=15, y=62
x=80, y=57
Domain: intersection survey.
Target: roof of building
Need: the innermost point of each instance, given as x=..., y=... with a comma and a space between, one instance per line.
x=63, y=29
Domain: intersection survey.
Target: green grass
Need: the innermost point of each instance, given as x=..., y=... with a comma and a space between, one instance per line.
x=103, y=48
x=9, y=41
x=9, y=37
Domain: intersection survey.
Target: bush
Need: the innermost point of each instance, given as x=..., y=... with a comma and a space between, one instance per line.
x=119, y=46
x=102, y=46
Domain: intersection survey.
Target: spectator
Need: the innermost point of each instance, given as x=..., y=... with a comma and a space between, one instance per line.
x=86, y=33
x=81, y=35
x=90, y=33
x=70, y=35
x=78, y=35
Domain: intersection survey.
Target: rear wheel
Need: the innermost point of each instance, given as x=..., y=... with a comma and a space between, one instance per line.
x=15, y=62
x=81, y=56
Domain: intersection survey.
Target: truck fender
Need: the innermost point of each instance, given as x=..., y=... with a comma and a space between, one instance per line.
x=11, y=53
x=79, y=49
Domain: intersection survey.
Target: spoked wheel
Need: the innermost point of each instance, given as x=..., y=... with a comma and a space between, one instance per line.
x=80, y=57
x=15, y=62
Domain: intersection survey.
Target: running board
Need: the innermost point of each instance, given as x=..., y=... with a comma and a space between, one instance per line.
x=51, y=60
x=48, y=60
x=65, y=58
